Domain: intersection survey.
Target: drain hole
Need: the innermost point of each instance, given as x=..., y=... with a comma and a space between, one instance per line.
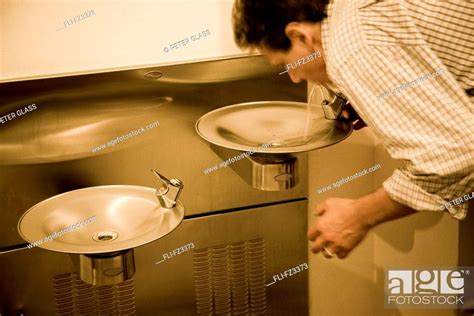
x=105, y=236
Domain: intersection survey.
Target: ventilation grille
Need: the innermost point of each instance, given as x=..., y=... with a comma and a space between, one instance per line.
x=230, y=279
x=74, y=297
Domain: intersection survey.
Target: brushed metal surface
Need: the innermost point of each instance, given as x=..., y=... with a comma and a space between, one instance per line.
x=72, y=296
x=171, y=285
x=107, y=269
x=172, y=148
x=266, y=172
x=131, y=212
x=203, y=72
x=58, y=133
x=284, y=125
x=77, y=113
x=230, y=279
x=168, y=288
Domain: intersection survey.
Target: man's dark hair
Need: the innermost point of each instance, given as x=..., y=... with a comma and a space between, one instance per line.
x=262, y=22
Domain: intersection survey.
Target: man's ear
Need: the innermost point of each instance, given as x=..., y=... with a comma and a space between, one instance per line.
x=298, y=32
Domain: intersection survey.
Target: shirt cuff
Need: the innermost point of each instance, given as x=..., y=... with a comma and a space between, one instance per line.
x=401, y=189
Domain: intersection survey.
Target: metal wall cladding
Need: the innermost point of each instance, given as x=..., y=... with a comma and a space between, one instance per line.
x=235, y=257
x=50, y=150
x=72, y=297
x=230, y=279
x=225, y=216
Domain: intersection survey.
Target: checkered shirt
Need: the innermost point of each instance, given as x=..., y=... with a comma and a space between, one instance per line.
x=407, y=68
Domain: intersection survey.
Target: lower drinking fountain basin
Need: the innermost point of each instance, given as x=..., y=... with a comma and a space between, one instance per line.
x=99, y=219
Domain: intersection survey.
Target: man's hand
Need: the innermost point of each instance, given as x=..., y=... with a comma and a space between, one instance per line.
x=339, y=227
x=341, y=224
x=350, y=114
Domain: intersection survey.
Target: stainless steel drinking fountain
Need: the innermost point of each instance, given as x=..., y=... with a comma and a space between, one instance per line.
x=126, y=217
x=263, y=139
x=227, y=218
x=266, y=172
x=107, y=268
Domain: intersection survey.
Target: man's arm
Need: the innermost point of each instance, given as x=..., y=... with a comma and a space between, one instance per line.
x=341, y=224
x=400, y=88
x=378, y=207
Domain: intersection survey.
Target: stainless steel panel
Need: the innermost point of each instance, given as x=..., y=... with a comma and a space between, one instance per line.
x=72, y=296
x=173, y=148
x=169, y=288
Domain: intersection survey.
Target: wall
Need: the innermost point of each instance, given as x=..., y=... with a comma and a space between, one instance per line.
x=355, y=286
x=342, y=287
x=122, y=34
x=424, y=240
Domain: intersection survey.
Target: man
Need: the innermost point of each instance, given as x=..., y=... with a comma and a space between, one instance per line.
x=407, y=69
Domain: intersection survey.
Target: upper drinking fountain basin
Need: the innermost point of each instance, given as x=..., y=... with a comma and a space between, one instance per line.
x=274, y=127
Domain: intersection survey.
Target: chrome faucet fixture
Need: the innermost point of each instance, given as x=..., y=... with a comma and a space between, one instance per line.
x=330, y=101
x=169, y=190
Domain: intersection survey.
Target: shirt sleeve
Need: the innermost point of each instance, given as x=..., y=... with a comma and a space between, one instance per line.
x=416, y=106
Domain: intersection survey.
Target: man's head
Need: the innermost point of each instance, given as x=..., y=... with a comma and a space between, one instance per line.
x=284, y=31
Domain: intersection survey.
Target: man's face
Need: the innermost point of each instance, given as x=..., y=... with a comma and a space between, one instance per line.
x=304, y=43
x=301, y=65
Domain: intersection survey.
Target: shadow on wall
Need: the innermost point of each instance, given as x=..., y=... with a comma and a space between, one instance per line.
x=391, y=232
x=346, y=293
x=400, y=234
